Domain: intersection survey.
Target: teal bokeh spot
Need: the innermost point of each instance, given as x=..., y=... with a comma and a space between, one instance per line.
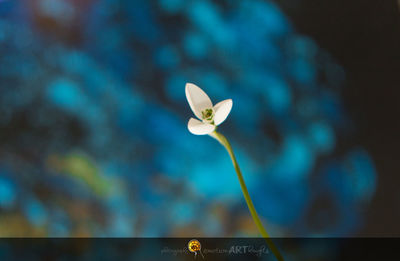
x=65, y=94
x=322, y=137
x=183, y=212
x=295, y=160
x=167, y=57
x=278, y=94
x=175, y=86
x=172, y=6
x=195, y=45
x=35, y=212
x=8, y=194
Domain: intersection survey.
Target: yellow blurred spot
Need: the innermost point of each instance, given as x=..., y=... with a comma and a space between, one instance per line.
x=81, y=167
x=15, y=225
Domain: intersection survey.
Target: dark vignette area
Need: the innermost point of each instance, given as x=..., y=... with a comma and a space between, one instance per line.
x=364, y=37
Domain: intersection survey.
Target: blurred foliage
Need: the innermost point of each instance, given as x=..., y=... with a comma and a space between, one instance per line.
x=93, y=138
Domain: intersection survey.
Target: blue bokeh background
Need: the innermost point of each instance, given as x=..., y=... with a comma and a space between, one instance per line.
x=94, y=138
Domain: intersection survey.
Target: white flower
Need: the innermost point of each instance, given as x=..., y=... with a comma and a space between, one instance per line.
x=201, y=105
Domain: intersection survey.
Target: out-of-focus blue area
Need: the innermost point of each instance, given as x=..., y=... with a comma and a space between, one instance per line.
x=93, y=136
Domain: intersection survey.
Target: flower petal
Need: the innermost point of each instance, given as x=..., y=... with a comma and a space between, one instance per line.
x=222, y=110
x=199, y=128
x=198, y=99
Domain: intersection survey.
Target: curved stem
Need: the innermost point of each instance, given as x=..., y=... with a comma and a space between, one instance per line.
x=221, y=138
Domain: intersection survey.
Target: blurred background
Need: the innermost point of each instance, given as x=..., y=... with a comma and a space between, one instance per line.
x=93, y=122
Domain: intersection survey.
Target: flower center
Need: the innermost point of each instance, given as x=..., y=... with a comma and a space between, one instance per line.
x=208, y=115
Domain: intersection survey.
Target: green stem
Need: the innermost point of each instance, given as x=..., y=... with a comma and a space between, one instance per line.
x=221, y=138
